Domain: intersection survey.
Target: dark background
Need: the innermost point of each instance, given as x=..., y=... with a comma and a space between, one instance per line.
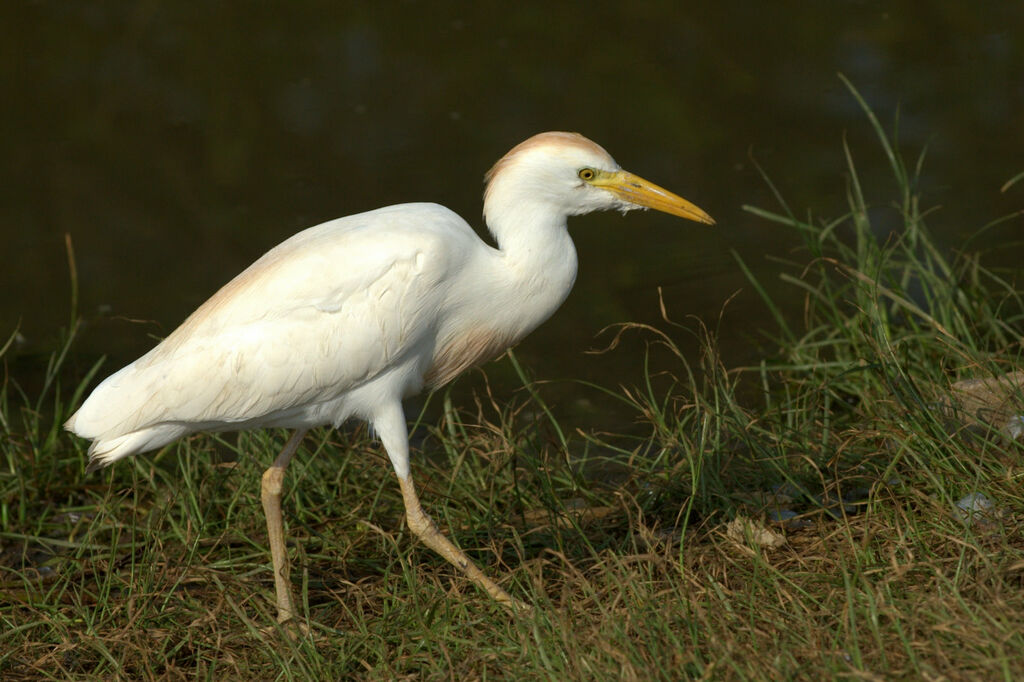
x=177, y=143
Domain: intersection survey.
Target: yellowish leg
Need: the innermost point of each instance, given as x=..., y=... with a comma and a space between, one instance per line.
x=270, y=493
x=425, y=529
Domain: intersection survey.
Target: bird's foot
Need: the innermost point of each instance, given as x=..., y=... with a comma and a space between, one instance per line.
x=518, y=607
x=292, y=628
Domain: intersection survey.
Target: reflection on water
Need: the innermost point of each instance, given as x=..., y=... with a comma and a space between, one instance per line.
x=176, y=144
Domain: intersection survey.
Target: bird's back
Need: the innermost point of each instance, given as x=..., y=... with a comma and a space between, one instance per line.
x=324, y=313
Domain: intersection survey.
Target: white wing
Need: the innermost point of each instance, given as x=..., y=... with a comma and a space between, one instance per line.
x=320, y=314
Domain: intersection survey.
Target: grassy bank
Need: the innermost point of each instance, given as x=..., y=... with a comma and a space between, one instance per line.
x=846, y=507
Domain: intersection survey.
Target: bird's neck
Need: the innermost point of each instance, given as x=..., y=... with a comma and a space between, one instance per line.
x=537, y=261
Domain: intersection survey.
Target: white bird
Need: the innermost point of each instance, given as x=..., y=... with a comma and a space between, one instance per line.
x=347, y=318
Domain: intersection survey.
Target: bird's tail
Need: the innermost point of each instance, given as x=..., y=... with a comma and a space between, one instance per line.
x=108, y=448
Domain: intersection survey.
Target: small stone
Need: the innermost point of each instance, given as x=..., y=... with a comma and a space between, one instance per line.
x=745, y=531
x=976, y=508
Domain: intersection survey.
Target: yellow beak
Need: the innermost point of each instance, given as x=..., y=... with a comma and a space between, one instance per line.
x=636, y=190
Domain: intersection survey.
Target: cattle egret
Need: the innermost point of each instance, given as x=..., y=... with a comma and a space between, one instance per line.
x=347, y=318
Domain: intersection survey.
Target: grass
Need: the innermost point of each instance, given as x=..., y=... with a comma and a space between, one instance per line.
x=794, y=519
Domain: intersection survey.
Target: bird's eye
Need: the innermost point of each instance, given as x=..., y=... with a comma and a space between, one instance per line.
x=587, y=174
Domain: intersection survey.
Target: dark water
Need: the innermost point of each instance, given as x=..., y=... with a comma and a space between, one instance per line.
x=176, y=144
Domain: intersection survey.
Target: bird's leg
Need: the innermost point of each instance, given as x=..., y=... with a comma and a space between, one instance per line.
x=270, y=493
x=425, y=529
x=390, y=425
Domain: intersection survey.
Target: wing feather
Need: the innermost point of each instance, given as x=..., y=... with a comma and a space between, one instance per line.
x=322, y=313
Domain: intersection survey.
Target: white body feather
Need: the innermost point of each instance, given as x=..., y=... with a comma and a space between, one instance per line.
x=325, y=326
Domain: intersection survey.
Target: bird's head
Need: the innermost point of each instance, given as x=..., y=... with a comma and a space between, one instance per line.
x=569, y=174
